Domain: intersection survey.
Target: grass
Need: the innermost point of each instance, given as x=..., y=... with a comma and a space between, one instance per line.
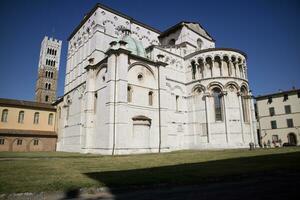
x=36, y=172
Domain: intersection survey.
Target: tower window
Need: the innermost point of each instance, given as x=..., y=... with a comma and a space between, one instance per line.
x=193, y=70
x=46, y=98
x=129, y=94
x=150, y=98
x=4, y=115
x=50, y=119
x=199, y=43
x=21, y=117
x=177, y=102
x=36, y=118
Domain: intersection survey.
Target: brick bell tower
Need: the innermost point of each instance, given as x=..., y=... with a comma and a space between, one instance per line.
x=46, y=84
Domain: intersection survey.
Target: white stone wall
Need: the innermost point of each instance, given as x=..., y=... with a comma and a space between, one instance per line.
x=98, y=117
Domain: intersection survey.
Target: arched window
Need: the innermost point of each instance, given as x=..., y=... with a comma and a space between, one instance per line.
x=50, y=119
x=172, y=42
x=129, y=94
x=4, y=115
x=177, y=102
x=2, y=141
x=21, y=117
x=36, y=118
x=46, y=86
x=46, y=98
x=218, y=101
x=46, y=74
x=193, y=70
x=244, y=104
x=51, y=75
x=49, y=86
x=53, y=63
x=199, y=43
x=54, y=52
x=150, y=98
x=241, y=71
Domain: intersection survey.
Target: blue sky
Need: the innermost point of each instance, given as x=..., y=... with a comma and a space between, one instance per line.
x=267, y=30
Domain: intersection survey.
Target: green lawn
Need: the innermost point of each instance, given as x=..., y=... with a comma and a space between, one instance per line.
x=35, y=172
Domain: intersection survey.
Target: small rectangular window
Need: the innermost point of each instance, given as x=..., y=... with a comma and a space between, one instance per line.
x=177, y=102
x=273, y=124
x=275, y=138
x=19, y=142
x=287, y=109
x=290, y=123
x=272, y=111
x=270, y=100
x=36, y=142
x=285, y=97
x=1, y=141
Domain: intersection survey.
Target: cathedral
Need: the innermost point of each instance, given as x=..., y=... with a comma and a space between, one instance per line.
x=130, y=88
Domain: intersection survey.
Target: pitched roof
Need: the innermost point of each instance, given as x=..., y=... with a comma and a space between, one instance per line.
x=27, y=104
x=194, y=26
x=278, y=94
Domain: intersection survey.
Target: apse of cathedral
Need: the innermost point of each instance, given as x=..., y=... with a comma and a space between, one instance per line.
x=130, y=88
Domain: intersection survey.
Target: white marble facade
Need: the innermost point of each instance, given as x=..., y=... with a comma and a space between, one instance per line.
x=130, y=88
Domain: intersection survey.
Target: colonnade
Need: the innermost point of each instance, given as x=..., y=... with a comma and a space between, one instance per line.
x=218, y=66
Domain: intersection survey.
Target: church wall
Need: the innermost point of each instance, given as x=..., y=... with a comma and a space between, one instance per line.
x=93, y=38
x=101, y=120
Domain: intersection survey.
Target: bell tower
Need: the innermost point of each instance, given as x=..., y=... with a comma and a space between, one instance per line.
x=46, y=84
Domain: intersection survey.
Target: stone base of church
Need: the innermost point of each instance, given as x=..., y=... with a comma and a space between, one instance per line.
x=126, y=151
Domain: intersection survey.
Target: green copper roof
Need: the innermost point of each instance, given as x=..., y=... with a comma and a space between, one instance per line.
x=136, y=47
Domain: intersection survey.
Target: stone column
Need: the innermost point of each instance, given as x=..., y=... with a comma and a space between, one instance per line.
x=252, y=120
x=89, y=106
x=207, y=112
x=225, y=115
x=245, y=71
x=162, y=105
x=221, y=67
x=241, y=117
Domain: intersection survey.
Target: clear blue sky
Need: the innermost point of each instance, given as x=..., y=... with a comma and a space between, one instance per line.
x=268, y=31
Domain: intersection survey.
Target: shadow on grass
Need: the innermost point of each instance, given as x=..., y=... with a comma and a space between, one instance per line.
x=268, y=176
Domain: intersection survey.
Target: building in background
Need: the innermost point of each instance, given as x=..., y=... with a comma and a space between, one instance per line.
x=46, y=84
x=278, y=115
x=130, y=88
x=27, y=126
